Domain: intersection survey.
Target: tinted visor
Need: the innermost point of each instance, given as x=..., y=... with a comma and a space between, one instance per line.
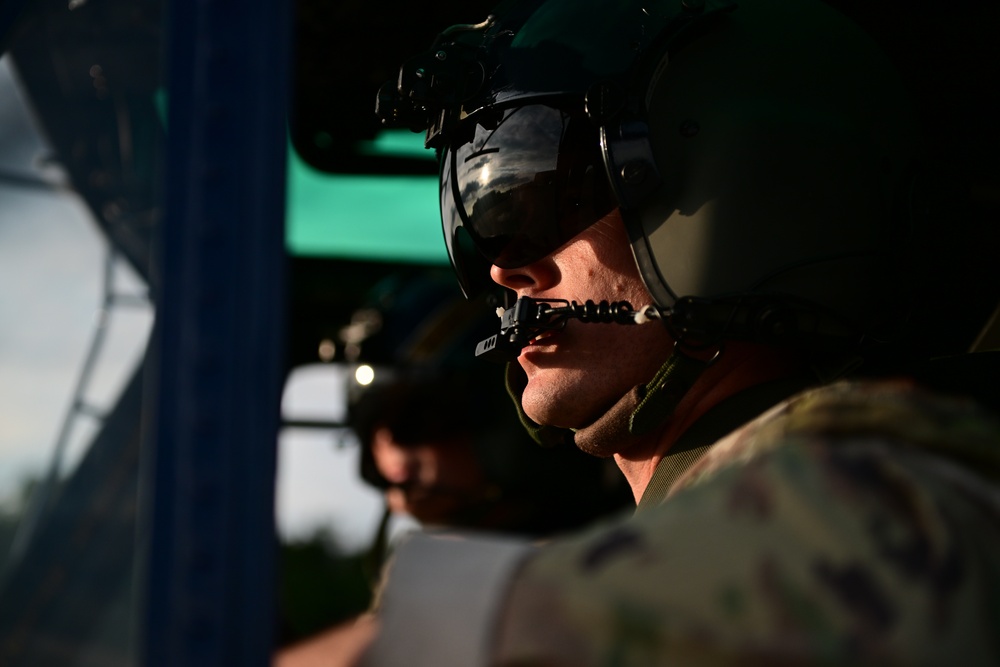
x=516, y=185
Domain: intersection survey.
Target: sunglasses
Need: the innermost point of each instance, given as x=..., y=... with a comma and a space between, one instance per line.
x=516, y=185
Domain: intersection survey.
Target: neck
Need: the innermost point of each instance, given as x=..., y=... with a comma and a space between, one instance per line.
x=741, y=366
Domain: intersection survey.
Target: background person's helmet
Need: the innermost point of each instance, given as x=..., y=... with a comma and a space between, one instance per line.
x=763, y=156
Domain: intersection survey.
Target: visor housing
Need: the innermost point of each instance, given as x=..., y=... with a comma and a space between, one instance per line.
x=518, y=184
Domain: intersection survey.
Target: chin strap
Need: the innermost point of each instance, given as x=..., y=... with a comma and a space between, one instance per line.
x=659, y=397
x=637, y=413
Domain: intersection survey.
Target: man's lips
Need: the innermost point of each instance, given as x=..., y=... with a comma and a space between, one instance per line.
x=540, y=337
x=543, y=344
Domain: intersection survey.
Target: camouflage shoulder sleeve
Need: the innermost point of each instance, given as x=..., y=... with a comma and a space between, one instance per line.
x=856, y=525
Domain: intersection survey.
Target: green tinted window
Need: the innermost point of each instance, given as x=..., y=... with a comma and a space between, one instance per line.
x=385, y=218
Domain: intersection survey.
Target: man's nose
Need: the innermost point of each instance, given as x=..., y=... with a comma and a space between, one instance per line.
x=525, y=280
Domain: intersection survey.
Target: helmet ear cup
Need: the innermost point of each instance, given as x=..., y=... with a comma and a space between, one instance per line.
x=781, y=154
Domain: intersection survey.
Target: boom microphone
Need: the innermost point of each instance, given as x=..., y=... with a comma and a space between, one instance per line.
x=532, y=317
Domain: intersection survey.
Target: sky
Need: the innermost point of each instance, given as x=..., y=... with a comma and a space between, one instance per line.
x=51, y=266
x=319, y=485
x=52, y=258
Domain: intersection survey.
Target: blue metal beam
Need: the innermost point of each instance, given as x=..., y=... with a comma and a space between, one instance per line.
x=218, y=343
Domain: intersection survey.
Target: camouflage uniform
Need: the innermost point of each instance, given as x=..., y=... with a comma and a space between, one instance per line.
x=858, y=523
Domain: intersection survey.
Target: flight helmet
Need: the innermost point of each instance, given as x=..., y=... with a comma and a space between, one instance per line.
x=762, y=155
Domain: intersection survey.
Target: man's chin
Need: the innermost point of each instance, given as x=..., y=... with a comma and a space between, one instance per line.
x=550, y=408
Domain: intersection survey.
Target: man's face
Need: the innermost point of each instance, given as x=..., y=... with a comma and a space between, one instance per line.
x=432, y=481
x=576, y=374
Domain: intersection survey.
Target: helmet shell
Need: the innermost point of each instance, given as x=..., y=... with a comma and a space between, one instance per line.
x=783, y=143
x=765, y=149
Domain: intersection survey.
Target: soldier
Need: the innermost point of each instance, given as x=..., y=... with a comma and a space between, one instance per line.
x=711, y=218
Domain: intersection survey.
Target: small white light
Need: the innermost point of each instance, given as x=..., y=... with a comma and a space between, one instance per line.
x=364, y=375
